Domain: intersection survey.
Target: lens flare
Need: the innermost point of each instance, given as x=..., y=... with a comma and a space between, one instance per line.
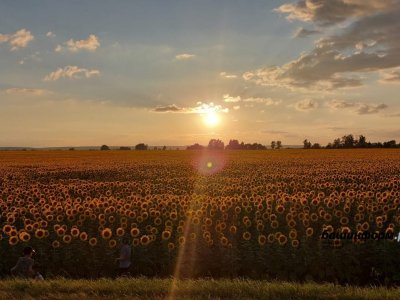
x=209, y=162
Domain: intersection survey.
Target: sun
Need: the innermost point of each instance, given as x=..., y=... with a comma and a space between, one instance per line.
x=211, y=118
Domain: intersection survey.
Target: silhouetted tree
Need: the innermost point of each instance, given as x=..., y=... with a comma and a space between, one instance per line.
x=306, y=144
x=278, y=144
x=124, y=148
x=348, y=141
x=361, y=143
x=215, y=144
x=233, y=145
x=164, y=148
x=141, y=146
x=71, y=149
x=273, y=144
x=316, y=146
x=104, y=147
x=195, y=147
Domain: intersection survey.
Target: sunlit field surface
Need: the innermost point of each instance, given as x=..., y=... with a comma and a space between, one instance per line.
x=228, y=214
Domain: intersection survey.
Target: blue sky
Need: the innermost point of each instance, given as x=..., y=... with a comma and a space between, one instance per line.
x=123, y=72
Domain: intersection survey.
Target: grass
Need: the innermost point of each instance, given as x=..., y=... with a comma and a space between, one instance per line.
x=143, y=288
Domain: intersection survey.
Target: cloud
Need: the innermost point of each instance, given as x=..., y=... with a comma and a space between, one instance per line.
x=392, y=76
x=369, y=44
x=357, y=107
x=227, y=76
x=200, y=108
x=184, y=56
x=303, y=32
x=17, y=40
x=168, y=108
x=267, y=101
x=329, y=12
x=306, y=105
x=51, y=34
x=26, y=91
x=90, y=44
x=72, y=72
x=274, y=131
x=231, y=99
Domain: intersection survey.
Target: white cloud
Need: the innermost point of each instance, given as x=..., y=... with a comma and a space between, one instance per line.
x=17, y=40
x=51, y=34
x=230, y=99
x=235, y=99
x=90, y=44
x=227, y=76
x=184, y=56
x=72, y=72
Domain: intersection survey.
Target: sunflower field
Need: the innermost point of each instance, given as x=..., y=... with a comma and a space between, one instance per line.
x=253, y=214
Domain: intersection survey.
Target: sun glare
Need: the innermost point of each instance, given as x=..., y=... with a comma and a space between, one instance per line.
x=211, y=118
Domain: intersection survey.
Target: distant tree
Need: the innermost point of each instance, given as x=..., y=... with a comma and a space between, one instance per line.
x=362, y=142
x=104, y=148
x=273, y=144
x=337, y=143
x=348, y=141
x=233, y=145
x=215, y=144
x=316, y=146
x=71, y=149
x=124, y=148
x=389, y=144
x=194, y=147
x=306, y=144
x=141, y=146
x=164, y=148
x=278, y=144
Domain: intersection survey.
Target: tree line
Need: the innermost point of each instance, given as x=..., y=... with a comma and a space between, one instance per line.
x=217, y=144
x=349, y=141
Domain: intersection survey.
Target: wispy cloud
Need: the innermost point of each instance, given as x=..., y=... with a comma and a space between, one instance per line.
x=17, y=40
x=303, y=32
x=305, y=105
x=234, y=99
x=392, y=76
x=72, y=72
x=90, y=44
x=357, y=107
x=26, y=91
x=227, y=76
x=200, y=108
x=184, y=56
x=50, y=34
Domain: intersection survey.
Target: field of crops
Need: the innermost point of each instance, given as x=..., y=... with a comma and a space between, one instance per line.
x=257, y=214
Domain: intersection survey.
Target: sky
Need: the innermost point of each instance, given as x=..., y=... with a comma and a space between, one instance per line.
x=178, y=72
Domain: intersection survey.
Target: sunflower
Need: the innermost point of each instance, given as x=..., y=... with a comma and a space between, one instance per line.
x=135, y=232
x=93, y=241
x=262, y=240
x=106, y=233
x=112, y=243
x=67, y=239
x=246, y=235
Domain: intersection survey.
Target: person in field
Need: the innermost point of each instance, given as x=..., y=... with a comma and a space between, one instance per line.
x=24, y=266
x=124, y=258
